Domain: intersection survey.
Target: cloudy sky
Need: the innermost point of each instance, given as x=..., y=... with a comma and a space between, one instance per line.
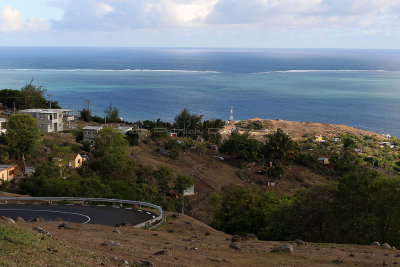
x=201, y=23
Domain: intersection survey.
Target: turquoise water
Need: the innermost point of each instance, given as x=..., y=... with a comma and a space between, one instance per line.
x=356, y=88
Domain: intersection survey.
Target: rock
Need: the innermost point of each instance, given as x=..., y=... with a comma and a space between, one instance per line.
x=299, y=242
x=64, y=226
x=111, y=243
x=384, y=263
x=235, y=246
x=351, y=255
x=338, y=261
x=283, y=248
x=250, y=237
x=142, y=264
x=119, y=261
x=37, y=220
x=393, y=247
x=194, y=236
x=175, y=215
x=3, y=218
x=375, y=244
x=116, y=231
x=122, y=224
x=155, y=234
x=20, y=219
x=170, y=231
x=207, y=234
x=41, y=231
x=385, y=245
x=236, y=238
x=161, y=252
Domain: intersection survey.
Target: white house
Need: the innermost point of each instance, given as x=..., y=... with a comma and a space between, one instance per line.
x=50, y=120
x=2, y=125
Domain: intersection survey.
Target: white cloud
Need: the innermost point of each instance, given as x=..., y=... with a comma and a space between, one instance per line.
x=11, y=20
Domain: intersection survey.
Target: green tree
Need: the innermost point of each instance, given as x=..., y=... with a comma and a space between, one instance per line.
x=22, y=135
x=279, y=146
x=182, y=183
x=86, y=115
x=243, y=146
x=112, y=114
x=111, y=150
x=346, y=160
x=187, y=121
x=163, y=176
x=32, y=96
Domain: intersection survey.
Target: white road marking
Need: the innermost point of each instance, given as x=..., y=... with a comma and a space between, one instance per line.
x=140, y=210
x=148, y=212
x=65, y=212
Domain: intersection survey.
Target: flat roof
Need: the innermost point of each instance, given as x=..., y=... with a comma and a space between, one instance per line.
x=41, y=110
x=4, y=167
x=93, y=127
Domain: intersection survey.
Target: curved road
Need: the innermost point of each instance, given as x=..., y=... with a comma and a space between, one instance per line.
x=100, y=214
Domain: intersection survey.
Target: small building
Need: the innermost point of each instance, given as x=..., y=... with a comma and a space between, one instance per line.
x=324, y=160
x=76, y=161
x=189, y=191
x=50, y=120
x=89, y=133
x=3, y=130
x=319, y=138
x=7, y=172
x=124, y=129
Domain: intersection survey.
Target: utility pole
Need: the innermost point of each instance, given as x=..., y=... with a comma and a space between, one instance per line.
x=88, y=104
x=231, y=115
x=49, y=95
x=14, y=106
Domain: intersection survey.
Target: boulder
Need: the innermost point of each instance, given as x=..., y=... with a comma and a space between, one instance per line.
x=299, y=242
x=41, y=231
x=142, y=264
x=116, y=231
x=375, y=244
x=235, y=246
x=338, y=261
x=283, y=248
x=20, y=219
x=161, y=252
x=250, y=237
x=120, y=261
x=111, y=243
x=64, y=226
x=236, y=238
x=3, y=218
x=385, y=245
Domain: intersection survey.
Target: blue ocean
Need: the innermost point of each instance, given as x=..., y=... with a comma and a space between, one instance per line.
x=360, y=88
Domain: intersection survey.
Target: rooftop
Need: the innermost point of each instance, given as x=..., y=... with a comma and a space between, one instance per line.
x=93, y=127
x=41, y=110
x=4, y=167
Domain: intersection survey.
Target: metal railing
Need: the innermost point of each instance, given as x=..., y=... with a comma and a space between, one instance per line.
x=120, y=201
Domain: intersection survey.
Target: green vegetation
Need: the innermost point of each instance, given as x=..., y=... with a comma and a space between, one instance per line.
x=243, y=146
x=360, y=208
x=30, y=96
x=22, y=134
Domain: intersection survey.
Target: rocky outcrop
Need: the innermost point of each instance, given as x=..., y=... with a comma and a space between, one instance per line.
x=283, y=248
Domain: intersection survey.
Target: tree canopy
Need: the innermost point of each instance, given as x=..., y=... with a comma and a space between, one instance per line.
x=22, y=134
x=188, y=121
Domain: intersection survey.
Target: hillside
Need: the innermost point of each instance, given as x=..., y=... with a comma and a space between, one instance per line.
x=183, y=241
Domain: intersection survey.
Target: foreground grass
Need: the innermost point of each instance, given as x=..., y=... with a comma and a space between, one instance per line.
x=22, y=248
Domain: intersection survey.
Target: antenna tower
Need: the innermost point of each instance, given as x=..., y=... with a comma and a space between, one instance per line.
x=231, y=117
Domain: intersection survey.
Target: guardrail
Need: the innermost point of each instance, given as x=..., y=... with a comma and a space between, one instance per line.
x=130, y=202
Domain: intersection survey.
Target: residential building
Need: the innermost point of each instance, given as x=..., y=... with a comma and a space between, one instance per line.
x=89, y=133
x=76, y=161
x=7, y=172
x=51, y=120
x=2, y=126
x=124, y=129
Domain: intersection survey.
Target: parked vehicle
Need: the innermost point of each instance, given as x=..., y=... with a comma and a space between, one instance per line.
x=7, y=112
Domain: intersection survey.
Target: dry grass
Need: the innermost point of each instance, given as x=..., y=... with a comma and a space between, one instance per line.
x=186, y=241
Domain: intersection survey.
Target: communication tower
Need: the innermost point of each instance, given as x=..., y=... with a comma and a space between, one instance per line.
x=231, y=116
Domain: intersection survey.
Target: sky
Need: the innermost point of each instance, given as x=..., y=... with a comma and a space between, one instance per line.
x=369, y=24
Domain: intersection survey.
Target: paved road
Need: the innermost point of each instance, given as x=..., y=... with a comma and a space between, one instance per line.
x=105, y=215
